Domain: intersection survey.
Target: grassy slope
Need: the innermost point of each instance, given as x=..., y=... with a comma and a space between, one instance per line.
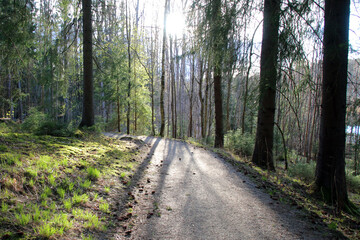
x=61, y=187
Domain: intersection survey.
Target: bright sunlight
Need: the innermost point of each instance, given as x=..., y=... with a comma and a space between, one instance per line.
x=175, y=25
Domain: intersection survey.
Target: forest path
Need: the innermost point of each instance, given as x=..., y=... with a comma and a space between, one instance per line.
x=187, y=192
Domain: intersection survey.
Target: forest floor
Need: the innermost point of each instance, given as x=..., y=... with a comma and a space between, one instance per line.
x=91, y=186
x=187, y=192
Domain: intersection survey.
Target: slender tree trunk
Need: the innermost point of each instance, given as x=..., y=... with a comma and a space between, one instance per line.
x=173, y=87
x=330, y=167
x=228, y=101
x=206, y=101
x=162, y=81
x=118, y=105
x=11, y=105
x=190, y=127
x=201, y=98
x=128, y=35
x=152, y=88
x=263, y=151
x=246, y=89
x=20, y=103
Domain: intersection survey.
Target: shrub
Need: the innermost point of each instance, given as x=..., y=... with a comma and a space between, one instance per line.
x=353, y=182
x=302, y=170
x=241, y=144
x=53, y=128
x=34, y=120
x=41, y=124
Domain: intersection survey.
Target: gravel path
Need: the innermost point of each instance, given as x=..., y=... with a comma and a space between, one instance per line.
x=187, y=192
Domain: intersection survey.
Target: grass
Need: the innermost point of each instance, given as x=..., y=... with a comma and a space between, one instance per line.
x=23, y=219
x=104, y=207
x=86, y=184
x=80, y=199
x=40, y=187
x=93, y=173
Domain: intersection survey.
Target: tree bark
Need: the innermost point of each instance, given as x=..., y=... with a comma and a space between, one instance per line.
x=218, y=47
x=162, y=80
x=128, y=36
x=88, y=90
x=330, y=167
x=263, y=155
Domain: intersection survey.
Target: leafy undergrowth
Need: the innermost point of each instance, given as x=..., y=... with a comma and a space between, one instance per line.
x=62, y=188
x=295, y=191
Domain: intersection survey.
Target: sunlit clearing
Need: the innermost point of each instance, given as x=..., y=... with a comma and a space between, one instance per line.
x=175, y=25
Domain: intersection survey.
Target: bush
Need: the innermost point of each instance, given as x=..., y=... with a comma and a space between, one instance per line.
x=241, y=144
x=353, y=182
x=34, y=120
x=53, y=128
x=39, y=123
x=302, y=170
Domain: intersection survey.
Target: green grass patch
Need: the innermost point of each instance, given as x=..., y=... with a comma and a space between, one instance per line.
x=44, y=178
x=93, y=173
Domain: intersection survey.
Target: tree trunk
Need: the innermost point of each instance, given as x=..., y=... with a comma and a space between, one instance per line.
x=263, y=155
x=190, y=127
x=173, y=91
x=162, y=81
x=88, y=100
x=330, y=168
x=201, y=98
x=219, y=128
x=218, y=47
x=128, y=36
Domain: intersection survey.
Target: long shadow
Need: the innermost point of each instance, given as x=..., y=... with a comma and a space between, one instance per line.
x=140, y=171
x=174, y=150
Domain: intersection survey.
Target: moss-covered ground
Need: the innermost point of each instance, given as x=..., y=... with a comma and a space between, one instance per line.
x=62, y=188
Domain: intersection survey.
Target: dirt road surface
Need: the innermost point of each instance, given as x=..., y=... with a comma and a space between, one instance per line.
x=187, y=192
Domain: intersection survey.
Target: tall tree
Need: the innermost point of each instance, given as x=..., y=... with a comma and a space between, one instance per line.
x=162, y=80
x=330, y=168
x=263, y=155
x=220, y=25
x=88, y=90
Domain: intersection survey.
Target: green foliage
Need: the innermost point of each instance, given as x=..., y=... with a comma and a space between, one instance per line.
x=47, y=230
x=353, y=182
x=52, y=180
x=104, y=207
x=241, y=144
x=90, y=220
x=60, y=192
x=56, y=190
x=23, y=219
x=34, y=120
x=93, y=173
x=302, y=170
x=10, y=158
x=80, y=199
x=86, y=184
x=332, y=225
x=41, y=124
x=4, y=207
x=36, y=214
x=67, y=204
x=31, y=173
